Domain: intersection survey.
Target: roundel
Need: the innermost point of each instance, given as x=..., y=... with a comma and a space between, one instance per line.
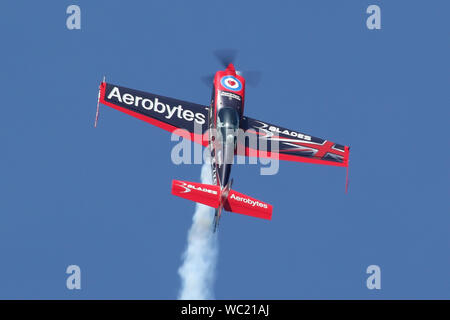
x=231, y=83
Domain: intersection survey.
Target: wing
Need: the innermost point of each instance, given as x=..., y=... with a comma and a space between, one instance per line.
x=292, y=145
x=166, y=113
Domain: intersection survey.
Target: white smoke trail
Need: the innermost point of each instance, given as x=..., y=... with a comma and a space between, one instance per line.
x=200, y=257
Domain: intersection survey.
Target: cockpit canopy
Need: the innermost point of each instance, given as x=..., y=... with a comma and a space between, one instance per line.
x=227, y=128
x=228, y=118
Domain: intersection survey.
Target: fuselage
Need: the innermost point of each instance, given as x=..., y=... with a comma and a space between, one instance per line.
x=227, y=108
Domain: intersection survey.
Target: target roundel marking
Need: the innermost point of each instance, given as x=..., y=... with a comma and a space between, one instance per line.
x=231, y=83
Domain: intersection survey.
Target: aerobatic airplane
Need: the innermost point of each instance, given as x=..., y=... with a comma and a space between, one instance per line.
x=215, y=127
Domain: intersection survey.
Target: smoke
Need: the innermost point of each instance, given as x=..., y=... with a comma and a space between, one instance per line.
x=200, y=257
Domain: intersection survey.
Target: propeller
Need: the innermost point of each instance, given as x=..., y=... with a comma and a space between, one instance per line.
x=227, y=56
x=208, y=80
x=252, y=77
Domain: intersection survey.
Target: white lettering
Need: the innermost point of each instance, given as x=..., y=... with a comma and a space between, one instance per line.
x=163, y=106
x=128, y=98
x=188, y=115
x=200, y=118
x=170, y=112
x=157, y=106
x=115, y=93
x=248, y=201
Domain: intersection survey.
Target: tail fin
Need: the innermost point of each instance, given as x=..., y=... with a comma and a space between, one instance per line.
x=203, y=193
x=243, y=204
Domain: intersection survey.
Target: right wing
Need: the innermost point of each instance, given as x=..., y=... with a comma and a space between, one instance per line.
x=292, y=145
x=167, y=113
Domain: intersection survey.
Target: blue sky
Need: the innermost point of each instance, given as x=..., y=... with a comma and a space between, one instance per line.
x=100, y=198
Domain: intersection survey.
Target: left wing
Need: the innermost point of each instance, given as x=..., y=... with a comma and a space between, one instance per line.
x=288, y=145
x=167, y=113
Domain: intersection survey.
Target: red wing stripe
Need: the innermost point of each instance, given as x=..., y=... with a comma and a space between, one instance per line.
x=274, y=155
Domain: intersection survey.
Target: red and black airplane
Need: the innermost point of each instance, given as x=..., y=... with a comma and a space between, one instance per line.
x=216, y=127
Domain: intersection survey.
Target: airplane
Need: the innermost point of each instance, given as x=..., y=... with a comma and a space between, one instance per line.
x=215, y=127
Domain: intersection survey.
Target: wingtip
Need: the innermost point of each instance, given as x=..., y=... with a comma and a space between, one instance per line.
x=346, y=181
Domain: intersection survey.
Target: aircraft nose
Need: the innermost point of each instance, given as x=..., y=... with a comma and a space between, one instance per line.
x=231, y=68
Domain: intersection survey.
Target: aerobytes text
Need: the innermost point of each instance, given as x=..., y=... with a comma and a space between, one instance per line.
x=156, y=106
x=248, y=201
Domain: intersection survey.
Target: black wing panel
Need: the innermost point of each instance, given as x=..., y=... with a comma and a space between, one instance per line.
x=167, y=113
x=263, y=139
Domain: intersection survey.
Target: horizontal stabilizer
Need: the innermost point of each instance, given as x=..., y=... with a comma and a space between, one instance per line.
x=243, y=204
x=212, y=196
x=203, y=193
